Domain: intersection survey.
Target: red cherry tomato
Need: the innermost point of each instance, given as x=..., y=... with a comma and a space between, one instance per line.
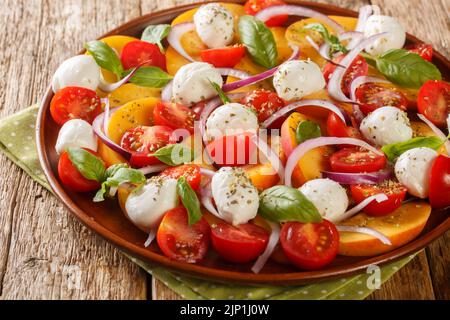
x=233, y=150
x=423, y=50
x=174, y=115
x=239, y=244
x=180, y=241
x=358, y=68
x=137, y=52
x=372, y=96
x=75, y=103
x=264, y=102
x=393, y=190
x=310, y=246
x=190, y=171
x=252, y=7
x=440, y=182
x=72, y=178
x=143, y=141
x=434, y=101
x=354, y=160
x=226, y=57
x=337, y=128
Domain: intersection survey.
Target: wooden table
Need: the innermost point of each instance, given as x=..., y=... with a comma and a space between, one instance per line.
x=42, y=245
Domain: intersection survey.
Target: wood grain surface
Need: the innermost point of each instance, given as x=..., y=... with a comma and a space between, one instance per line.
x=44, y=252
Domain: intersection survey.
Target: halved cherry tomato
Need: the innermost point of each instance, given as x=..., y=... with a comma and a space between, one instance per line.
x=264, y=102
x=372, y=96
x=239, y=244
x=75, y=103
x=180, y=241
x=434, y=101
x=190, y=171
x=337, y=128
x=358, y=68
x=310, y=246
x=395, y=192
x=174, y=115
x=143, y=141
x=423, y=50
x=440, y=182
x=252, y=7
x=354, y=160
x=226, y=57
x=72, y=178
x=232, y=150
x=136, y=52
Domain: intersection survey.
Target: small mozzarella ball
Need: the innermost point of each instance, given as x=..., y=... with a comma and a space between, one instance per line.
x=395, y=38
x=413, y=168
x=147, y=206
x=386, y=125
x=214, y=25
x=79, y=71
x=191, y=83
x=76, y=133
x=231, y=118
x=298, y=78
x=236, y=198
x=329, y=197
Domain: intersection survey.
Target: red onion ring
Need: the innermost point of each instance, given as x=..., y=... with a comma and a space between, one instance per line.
x=274, y=159
x=175, y=35
x=207, y=173
x=304, y=147
x=206, y=200
x=166, y=93
x=380, y=197
x=358, y=178
x=436, y=130
x=153, y=168
x=323, y=50
x=151, y=237
x=235, y=73
x=355, y=38
x=271, y=245
x=106, y=117
x=110, y=87
x=369, y=231
x=359, y=81
x=294, y=10
x=364, y=13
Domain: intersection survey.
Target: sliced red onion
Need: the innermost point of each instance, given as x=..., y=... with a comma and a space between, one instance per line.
x=323, y=50
x=206, y=200
x=294, y=10
x=304, y=147
x=335, y=82
x=364, y=13
x=166, y=93
x=235, y=73
x=153, y=168
x=106, y=117
x=304, y=103
x=274, y=159
x=174, y=38
x=151, y=237
x=369, y=231
x=380, y=197
x=110, y=87
x=207, y=173
x=271, y=245
x=355, y=38
x=436, y=130
x=358, y=178
x=359, y=81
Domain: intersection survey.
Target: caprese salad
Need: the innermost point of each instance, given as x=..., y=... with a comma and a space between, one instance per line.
x=233, y=131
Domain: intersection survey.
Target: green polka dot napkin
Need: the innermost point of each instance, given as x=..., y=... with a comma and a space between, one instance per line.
x=17, y=141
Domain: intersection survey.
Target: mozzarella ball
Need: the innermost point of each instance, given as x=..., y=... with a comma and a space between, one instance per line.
x=298, y=78
x=78, y=71
x=231, y=118
x=394, y=39
x=191, y=83
x=328, y=196
x=214, y=25
x=235, y=196
x=413, y=168
x=386, y=125
x=76, y=133
x=146, y=206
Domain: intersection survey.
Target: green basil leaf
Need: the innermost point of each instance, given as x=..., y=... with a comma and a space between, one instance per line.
x=221, y=94
x=395, y=150
x=174, y=154
x=335, y=44
x=189, y=200
x=152, y=77
x=406, y=69
x=105, y=57
x=307, y=130
x=259, y=41
x=90, y=166
x=156, y=33
x=283, y=204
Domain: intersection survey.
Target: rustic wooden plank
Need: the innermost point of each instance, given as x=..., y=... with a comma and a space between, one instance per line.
x=438, y=254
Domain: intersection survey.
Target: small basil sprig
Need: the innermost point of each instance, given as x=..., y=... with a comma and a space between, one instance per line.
x=332, y=40
x=189, y=200
x=223, y=97
x=89, y=166
x=152, y=77
x=156, y=33
x=174, y=154
x=283, y=204
x=105, y=57
x=395, y=150
x=404, y=68
x=259, y=41
x=307, y=130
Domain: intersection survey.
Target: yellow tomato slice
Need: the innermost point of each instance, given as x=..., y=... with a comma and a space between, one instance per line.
x=130, y=92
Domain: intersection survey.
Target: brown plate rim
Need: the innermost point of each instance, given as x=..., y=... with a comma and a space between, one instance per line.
x=291, y=278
